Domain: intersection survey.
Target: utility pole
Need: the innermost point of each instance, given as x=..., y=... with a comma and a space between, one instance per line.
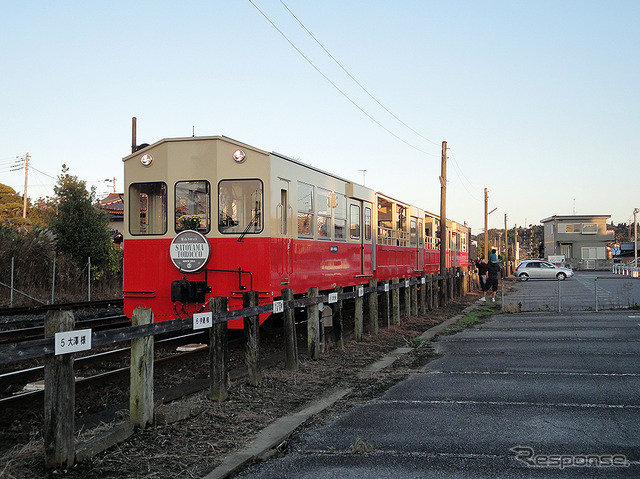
x=506, y=243
x=516, y=250
x=26, y=180
x=443, y=210
x=486, y=224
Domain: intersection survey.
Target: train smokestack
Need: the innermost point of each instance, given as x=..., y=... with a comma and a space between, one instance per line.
x=133, y=135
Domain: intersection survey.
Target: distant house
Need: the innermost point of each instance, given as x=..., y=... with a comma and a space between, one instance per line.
x=113, y=205
x=583, y=240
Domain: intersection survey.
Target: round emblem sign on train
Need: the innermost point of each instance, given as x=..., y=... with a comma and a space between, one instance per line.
x=190, y=251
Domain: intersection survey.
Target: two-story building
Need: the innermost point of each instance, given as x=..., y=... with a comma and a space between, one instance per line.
x=583, y=240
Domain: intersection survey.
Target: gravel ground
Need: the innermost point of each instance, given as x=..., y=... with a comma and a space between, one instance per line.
x=193, y=447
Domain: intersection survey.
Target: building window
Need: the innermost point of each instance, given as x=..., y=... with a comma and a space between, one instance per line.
x=148, y=208
x=594, y=253
x=589, y=229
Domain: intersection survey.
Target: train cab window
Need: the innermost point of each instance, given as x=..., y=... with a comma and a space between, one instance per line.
x=305, y=210
x=148, y=208
x=354, y=230
x=192, y=205
x=324, y=207
x=240, y=206
x=340, y=217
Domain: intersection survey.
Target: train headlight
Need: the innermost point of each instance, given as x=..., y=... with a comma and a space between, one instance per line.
x=239, y=156
x=146, y=159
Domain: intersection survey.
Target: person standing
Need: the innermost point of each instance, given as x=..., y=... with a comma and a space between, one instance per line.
x=481, y=266
x=493, y=268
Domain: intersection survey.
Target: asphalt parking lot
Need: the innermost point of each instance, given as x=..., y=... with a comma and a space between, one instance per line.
x=541, y=394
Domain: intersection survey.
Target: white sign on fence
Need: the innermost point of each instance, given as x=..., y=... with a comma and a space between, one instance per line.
x=333, y=298
x=278, y=307
x=360, y=292
x=73, y=341
x=202, y=320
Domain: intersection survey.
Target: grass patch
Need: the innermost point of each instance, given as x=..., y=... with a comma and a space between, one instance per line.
x=471, y=319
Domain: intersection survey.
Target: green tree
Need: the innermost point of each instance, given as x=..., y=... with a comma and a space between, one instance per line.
x=11, y=205
x=81, y=229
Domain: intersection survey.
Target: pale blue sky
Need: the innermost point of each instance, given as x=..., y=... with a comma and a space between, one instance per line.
x=538, y=101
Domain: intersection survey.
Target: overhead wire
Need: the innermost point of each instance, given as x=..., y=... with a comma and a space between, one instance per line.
x=354, y=79
x=336, y=86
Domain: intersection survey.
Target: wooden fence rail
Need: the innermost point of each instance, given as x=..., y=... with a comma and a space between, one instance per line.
x=420, y=294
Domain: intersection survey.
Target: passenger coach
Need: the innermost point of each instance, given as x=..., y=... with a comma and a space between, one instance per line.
x=209, y=216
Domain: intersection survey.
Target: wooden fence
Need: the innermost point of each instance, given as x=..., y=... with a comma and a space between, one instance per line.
x=419, y=295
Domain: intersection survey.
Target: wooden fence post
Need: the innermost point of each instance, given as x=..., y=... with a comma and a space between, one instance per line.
x=313, y=327
x=395, y=301
x=337, y=320
x=423, y=294
x=290, y=339
x=218, y=353
x=414, y=298
x=59, y=397
x=373, y=308
x=435, y=291
x=252, y=338
x=386, y=304
x=141, y=377
x=407, y=297
x=358, y=314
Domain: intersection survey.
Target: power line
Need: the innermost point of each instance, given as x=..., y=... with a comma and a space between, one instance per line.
x=354, y=79
x=336, y=86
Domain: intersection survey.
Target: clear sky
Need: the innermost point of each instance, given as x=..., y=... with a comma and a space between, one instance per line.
x=539, y=101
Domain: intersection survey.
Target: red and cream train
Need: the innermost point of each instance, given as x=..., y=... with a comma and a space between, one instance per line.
x=210, y=216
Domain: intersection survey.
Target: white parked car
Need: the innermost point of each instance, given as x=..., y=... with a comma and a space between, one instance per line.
x=541, y=269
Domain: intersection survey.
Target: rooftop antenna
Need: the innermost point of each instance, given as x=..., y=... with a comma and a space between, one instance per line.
x=193, y=131
x=574, y=206
x=363, y=173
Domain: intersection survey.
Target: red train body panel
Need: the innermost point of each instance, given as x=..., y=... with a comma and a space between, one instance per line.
x=240, y=202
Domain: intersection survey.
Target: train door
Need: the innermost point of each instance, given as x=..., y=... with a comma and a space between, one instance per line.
x=361, y=231
x=284, y=231
x=420, y=256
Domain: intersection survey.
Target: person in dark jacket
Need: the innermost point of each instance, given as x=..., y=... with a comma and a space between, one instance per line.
x=492, y=281
x=481, y=266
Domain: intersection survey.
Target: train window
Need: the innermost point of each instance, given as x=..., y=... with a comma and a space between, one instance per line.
x=148, y=208
x=324, y=207
x=192, y=205
x=355, y=222
x=367, y=223
x=413, y=238
x=305, y=210
x=240, y=206
x=402, y=218
x=340, y=217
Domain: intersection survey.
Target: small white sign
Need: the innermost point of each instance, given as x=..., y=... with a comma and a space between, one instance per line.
x=406, y=283
x=73, y=341
x=360, y=291
x=202, y=320
x=386, y=287
x=333, y=298
x=423, y=280
x=278, y=307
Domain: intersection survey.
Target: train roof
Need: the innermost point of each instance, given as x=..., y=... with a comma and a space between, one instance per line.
x=143, y=147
